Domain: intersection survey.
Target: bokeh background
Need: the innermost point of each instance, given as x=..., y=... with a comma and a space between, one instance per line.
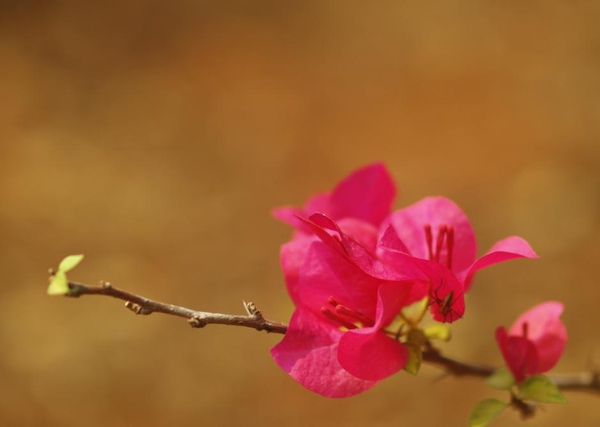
x=155, y=137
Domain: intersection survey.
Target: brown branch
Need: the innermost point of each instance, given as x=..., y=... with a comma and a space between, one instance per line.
x=198, y=319
x=586, y=382
x=454, y=367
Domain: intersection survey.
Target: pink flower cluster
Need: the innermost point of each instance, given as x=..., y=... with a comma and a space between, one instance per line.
x=353, y=265
x=535, y=342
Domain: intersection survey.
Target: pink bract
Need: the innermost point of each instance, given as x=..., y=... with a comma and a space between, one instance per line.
x=336, y=344
x=358, y=203
x=438, y=237
x=366, y=194
x=535, y=342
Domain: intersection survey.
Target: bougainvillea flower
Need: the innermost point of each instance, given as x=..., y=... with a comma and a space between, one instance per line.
x=437, y=235
x=336, y=344
x=352, y=266
x=535, y=342
x=366, y=194
x=359, y=204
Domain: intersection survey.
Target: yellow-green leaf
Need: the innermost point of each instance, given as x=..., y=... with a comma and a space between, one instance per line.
x=59, y=284
x=69, y=263
x=501, y=379
x=540, y=389
x=439, y=331
x=486, y=411
x=414, y=359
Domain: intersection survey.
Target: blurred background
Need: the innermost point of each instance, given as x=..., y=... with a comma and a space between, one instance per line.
x=155, y=137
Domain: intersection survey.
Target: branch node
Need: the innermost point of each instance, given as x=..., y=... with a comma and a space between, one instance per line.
x=105, y=284
x=197, y=322
x=136, y=308
x=252, y=310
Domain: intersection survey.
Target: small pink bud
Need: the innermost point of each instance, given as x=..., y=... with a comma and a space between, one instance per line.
x=535, y=342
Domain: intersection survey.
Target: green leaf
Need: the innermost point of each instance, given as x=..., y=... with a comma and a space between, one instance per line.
x=501, y=379
x=69, y=263
x=486, y=411
x=438, y=331
x=540, y=389
x=415, y=357
x=59, y=284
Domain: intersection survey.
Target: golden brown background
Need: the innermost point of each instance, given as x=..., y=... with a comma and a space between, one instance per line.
x=155, y=137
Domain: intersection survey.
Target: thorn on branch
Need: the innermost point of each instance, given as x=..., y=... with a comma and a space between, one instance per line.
x=136, y=308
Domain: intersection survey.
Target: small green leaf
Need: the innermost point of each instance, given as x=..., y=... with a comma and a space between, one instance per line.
x=69, y=263
x=439, y=331
x=501, y=379
x=540, y=389
x=486, y=411
x=59, y=284
x=414, y=359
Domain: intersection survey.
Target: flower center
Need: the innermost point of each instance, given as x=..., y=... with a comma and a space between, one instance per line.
x=444, y=241
x=344, y=315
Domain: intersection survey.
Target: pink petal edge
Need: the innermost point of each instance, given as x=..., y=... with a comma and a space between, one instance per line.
x=368, y=353
x=510, y=248
x=309, y=354
x=366, y=194
x=371, y=355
